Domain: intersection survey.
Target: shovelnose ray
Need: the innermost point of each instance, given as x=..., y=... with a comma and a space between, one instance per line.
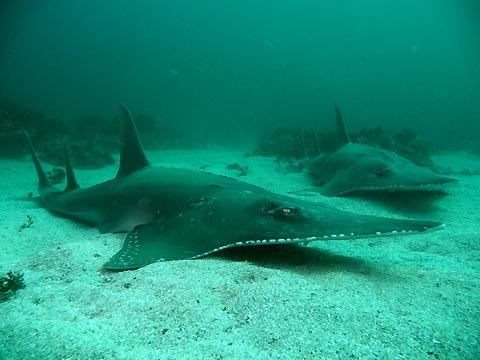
x=173, y=214
x=360, y=167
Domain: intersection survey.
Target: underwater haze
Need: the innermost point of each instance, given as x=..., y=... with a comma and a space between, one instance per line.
x=312, y=194
x=247, y=66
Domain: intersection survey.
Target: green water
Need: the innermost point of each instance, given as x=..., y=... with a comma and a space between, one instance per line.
x=228, y=71
x=219, y=67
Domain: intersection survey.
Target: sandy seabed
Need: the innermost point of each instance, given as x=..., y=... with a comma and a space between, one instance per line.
x=412, y=297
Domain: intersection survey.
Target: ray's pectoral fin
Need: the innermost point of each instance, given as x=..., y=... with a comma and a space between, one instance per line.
x=162, y=241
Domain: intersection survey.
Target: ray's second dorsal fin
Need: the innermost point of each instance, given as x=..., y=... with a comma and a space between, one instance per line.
x=72, y=183
x=342, y=135
x=132, y=156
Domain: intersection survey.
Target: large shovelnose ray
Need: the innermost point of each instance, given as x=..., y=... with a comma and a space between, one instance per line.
x=172, y=214
x=360, y=167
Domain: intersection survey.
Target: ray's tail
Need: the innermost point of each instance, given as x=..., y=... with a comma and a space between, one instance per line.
x=43, y=182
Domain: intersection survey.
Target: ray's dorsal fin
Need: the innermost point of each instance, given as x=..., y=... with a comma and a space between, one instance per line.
x=72, y=183
x=132, y=156
x=43, y=182
x=342, y=135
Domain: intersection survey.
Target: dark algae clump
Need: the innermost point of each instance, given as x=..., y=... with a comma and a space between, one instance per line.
x=289, y=143
x=296, y=144
x=242, y=170
x=10, y=283
x=405, y=143
x=90, y=140
x=87, y=153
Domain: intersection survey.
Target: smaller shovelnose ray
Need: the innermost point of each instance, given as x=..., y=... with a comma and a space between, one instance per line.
x=174, y=214
x=359, y=167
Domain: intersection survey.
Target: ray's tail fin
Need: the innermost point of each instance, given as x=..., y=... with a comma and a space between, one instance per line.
x=43, y=182
x=342, y=135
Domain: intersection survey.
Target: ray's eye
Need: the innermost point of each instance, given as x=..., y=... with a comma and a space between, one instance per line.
x=280, y=212
x=382, y=171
